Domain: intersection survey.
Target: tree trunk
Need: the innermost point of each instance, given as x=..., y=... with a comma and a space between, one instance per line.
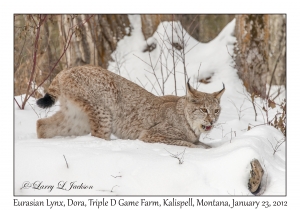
x=151, y=22
x=277, y=50
x=260, y=51
x=252, y=51
x=203, y=28
x=92, y=43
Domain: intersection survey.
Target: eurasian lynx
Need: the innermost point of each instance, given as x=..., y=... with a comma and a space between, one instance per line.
x=97, y=101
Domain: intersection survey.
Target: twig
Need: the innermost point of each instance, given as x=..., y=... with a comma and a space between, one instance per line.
x=278, y=144
x=183, y=55
x=153, y=70
x=17, y=103
x=116, y=176
x=19, y=60
x=173, y=57
x=118, y=64
x=180, y=159
x=114, y=187
x=34, y=21
x=197, y=79
x=34, y=110
x=192, y=48
x=142, y=60
x=252, y=100
x=239, y=110
x=144, y=86
x=188, y=28
x=153, y=85
x=229, y=53
x=66, y=161
x=275, y=67
x=277, y=93
x=206, y=136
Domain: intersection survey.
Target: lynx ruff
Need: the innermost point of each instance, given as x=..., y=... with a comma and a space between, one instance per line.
x=97, y=101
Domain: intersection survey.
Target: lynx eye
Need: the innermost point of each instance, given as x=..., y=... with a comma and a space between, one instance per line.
x=203, y=110
x=217, y=111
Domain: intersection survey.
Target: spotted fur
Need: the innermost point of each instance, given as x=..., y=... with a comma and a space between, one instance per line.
x=97, y=101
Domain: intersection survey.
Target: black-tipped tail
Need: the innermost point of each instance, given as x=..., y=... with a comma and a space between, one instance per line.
x=45, y=102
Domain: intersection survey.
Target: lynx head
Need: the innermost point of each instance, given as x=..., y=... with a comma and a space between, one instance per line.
x=202, y=110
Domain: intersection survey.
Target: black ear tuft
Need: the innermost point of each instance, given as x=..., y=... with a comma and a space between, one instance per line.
x=45, y=102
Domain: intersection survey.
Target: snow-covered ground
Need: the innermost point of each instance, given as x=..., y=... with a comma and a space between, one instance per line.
x=132, y=167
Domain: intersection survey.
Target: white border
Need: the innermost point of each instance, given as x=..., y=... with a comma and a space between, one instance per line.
x=153, y=6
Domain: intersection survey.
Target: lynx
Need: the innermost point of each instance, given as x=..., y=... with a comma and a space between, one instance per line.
x=97, y=101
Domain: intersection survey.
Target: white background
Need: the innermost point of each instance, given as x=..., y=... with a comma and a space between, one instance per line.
x=6, y=107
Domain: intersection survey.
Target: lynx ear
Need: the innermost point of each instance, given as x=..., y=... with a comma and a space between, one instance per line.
x=218, y=94
x=190, y=91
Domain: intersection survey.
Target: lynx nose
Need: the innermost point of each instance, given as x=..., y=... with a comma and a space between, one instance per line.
x=210, y=122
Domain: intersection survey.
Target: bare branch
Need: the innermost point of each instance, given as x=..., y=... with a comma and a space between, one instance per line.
x=114, y=187
x=36, y=45
x=142, y=60
x=277, y=145
x=17, y=103
x=153, y=85
x=33, y=21
x=144, y=86
x=177, y=156
x=116, y=176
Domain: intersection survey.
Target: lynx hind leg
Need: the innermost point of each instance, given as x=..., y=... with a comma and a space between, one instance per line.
x=70, y=120
x=99, y=118
x=49, y=127
x=146, y=136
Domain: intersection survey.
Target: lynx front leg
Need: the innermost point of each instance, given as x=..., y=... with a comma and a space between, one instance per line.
x=100, y=119
x=151, y=137
x=202, y=145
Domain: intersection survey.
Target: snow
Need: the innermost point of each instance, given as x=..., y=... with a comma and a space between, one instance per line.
x=132, y=167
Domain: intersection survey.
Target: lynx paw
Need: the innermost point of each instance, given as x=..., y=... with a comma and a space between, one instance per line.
x=202, y=145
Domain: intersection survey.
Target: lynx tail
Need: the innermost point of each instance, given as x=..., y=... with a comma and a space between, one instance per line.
x=46, y=102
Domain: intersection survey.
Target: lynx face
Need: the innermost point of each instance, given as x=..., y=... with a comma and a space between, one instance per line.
x=202, y=109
